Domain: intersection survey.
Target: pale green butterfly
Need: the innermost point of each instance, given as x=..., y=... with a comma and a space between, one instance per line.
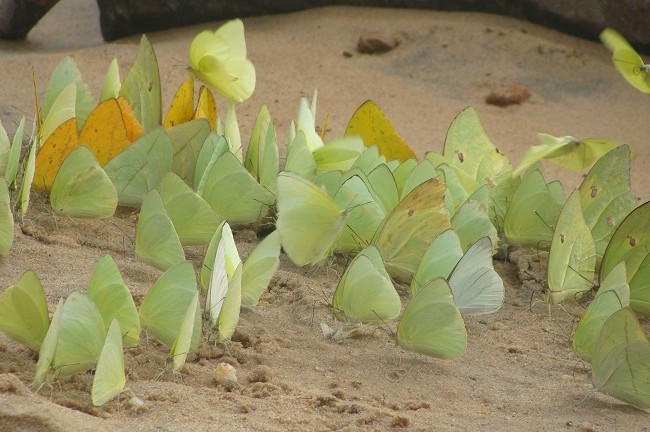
x=6, y=218
x=606, y=196
x=533, y=211
x=613, y=294
x=472, y=222
x=187, y=140
x=630, y=243
x=365, y=292
x=13, y=155
x=192, y=217
x=109, y=379
x=567, y=152
x=214, y=146
x=45, y=373
x=338, y=155
x=422, y=172
x=402, y=172
x=23, y=308
x=223, y=299
x=139, y=168
x=156, y=241
x=407, y=231
x=440, y=258
x=259, y=268
x=299, y=158
x=82, y=189
x=223, y=232
x=620, y=364
x=184, y=338
x=306, y=124
x=470, y=151
x=5, y=150
x=141, y=87
x=431, y=323
x=626, y=60
x=66, y=73
x=476, y=287
x=164, y=307
x=262, y=159
x=572, y=257
x=28, y=177
x=384, y=187
x=369, y=159
x=231, y=132
x=61, y=110
x=364, y=214
x=309, y=221
x=219, y=60
x=113, y=299
x=234, y=194
x=112, y=82
x=455, y=194
x=78, y=336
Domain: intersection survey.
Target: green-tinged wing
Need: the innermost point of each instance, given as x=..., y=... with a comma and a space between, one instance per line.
x=309, y=221
x=369, y=159
x=6, y=218
x=422, y=172
x=259, y=268
x=477, y=288
x=139, y=168
x=402, y=172
x=299, y=158
x=187, y=140
x=82, y=189
x=141, y=87
x=606, y=196
x=23, y=309
x=620, y=366
x=223, y=234
x=13, y=157
x=62, y=109
x=193, y=219
x=183, y=342
x=338, y=155
x=431, y=323
x=630, y=243
x=613, y=294
x=81, y=336
x=364, y=214
x=365, y=292
x=229, y=314
x=407, y=231
x=455, y=194
x=164, y=307
x=44, y=371
x=113, y=299
x=613, y=39
x=26, y=182
x=384, y=187
x=214, y=146
x=109, y=379
x=472, y=222
x=470, y=150
x=630, y=64
x=532, y=214
x=112, y=82
x=439, y=260
x=262, y=159
x=233, y=193
x=572, y=257
x=156, y=241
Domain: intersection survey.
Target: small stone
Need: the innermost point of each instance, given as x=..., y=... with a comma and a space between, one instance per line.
x=376, y=43
x=226, y=375
x=261, y=373
x=513, y=94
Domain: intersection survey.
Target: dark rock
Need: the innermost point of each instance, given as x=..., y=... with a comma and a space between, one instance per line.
x=376, y=43
x=513, y=94
x=17, y=17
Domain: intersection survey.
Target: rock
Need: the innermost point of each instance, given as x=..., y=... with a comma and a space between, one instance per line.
x=17, y=17
x=512, y=94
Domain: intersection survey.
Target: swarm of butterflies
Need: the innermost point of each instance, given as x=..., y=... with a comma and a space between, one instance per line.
x=432, y=225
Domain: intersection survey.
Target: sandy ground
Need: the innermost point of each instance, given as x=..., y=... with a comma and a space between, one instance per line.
x=518, y=373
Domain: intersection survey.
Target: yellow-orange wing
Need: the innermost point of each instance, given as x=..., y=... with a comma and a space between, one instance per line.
x=182, y=106
x=369, y=122
x=53, y=152
x=109, y=129
x=206, y=107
